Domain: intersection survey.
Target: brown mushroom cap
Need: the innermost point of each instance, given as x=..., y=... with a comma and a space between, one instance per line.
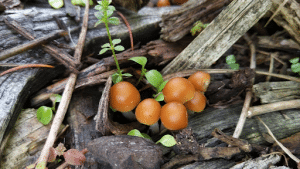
x=174, y=116
x=178, y=89
x=200, y=80
x=197, y=104
x=124, y=97
x=148, y=111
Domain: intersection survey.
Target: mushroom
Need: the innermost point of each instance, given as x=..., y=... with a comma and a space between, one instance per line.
x=197, y=104
x=200, y=80
x=178, y=89
x=174, y=116
x=124, y=97
x=162, y=3
x=148, y=111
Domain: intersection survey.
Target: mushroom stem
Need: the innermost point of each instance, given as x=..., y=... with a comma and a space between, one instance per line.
x=129, y=115
x=154, y=128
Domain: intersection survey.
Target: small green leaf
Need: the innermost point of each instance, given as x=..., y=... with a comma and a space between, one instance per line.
x=114, y=20
x=230, y=59
x=161, y=86
x=106, y=45
x=294, y=60
x=295, y=67
x=109, y=13
x=167, y=140
x=140, y=60
x=99, y=15
x=44, y=115
x=55, y=98
x=98, y=7
x=119, y=48
x=234, y=66
x=116, y=41
x=98, y=22
x=111, y=8
x=135, y=132
x=127, y=74
x=56, y=4
x=146, y=136
x=109, y=1
x=154, y=78
x=160, y=97
x=116, y=78
x=103, y=51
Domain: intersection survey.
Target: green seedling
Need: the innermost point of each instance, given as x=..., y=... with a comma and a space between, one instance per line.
x=142, y=61
x=198, y=27
x=56, y=4
x=104, y=16
x=295, y=65
x=230, y=60
x=157, y=81
x=167, y=140
x=152, y=76
x=44, y=114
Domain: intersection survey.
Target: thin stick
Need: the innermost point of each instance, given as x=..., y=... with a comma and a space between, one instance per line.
x=271, y=67
x=65, y=100
x=25, y=66
x=32, y=44
x=277, y=10
x=239, y=127
x=266, y=108
x=287, y=151
x=128, y=27
x=58, y=54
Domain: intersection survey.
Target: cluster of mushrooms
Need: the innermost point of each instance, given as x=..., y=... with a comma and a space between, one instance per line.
x=180, y=95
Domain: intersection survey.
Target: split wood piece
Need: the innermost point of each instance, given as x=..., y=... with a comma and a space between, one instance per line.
x=57, y=53
x=24, y=144
x=178, y=23
x=220, y=35
x=104, y=124
x=157, y=52
x=288, y=17
x=270, y=92
x=34, y=43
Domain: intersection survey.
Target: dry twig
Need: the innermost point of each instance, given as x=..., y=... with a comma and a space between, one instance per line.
x=25, y=66
x=239, y=127
x=128, y=27
x=287, y=151
x=67, y=94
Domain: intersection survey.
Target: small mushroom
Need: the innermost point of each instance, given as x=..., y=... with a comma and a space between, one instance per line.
x=124, y=97
x=174, y=116
x=162, y=3
x=197, y=104
x=200, y=80
x=178, y=89
x=148, y=111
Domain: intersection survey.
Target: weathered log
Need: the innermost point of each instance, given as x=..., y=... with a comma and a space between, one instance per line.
x=25, y=142
x=232, y=23
x=205, y=122
x=15, y=88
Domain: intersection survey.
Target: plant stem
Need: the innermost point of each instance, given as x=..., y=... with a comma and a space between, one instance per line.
x=111, y=44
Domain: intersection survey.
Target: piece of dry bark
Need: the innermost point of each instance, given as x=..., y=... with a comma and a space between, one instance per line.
x=270, y=92
x=292, y=143
x=288, y=17
x=232, y=23
x=177, y=24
